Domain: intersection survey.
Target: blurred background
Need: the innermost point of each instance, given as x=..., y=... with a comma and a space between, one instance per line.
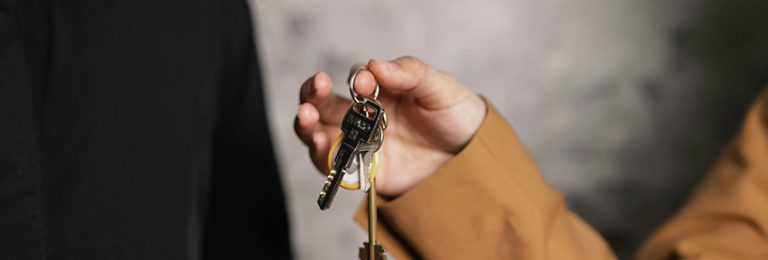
x=624, y=104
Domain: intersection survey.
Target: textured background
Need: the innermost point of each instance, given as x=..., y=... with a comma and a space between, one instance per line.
x=625, y=104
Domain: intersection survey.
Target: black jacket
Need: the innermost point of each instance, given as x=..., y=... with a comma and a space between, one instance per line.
x=134, y=130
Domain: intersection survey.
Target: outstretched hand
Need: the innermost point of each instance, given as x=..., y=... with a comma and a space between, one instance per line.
x=431, y=118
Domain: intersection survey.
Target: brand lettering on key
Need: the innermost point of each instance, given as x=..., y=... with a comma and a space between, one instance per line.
x=359, y=124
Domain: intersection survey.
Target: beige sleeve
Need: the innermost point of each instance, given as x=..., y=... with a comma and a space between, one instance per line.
x=727, y=216
x=488, y=202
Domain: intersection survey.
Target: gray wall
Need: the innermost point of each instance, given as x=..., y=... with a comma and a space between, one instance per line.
x=625, y=104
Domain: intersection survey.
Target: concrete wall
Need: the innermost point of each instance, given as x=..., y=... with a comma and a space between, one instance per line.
x=625, y=104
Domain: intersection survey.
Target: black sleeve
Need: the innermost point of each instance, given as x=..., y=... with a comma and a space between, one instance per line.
x=23, y=28
x=247, y=208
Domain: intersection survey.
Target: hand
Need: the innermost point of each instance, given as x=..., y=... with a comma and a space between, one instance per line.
x=431, y=118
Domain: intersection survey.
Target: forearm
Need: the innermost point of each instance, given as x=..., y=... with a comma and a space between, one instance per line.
x=728, y=215
x=487, y=202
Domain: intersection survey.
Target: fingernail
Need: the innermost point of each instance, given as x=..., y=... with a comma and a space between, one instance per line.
x=388, y=66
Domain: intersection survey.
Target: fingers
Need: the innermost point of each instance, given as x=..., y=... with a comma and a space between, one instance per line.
x=306, y=121
x=318, y=151
x=432, y=89
x=318, y=91
x=365, y=84
x=320, y=114
x=308, y=128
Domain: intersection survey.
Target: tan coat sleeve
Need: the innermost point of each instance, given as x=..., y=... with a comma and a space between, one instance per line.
x=727, y=217
x=488, y=202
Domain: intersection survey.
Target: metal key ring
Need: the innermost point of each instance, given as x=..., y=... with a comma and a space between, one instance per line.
x=357, y=68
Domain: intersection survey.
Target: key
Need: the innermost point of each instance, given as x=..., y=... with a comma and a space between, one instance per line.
x=361, y=172
x=355, y=177
x=359, y=126
x=364, y=165
x=371, y=250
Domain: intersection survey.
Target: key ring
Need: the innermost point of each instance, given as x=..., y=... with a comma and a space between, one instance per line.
x=357, y=68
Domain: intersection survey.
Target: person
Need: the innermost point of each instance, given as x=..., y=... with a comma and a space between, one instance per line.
x=135, y=130
x=456, y=182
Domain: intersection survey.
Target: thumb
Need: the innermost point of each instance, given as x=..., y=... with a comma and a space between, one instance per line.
x=432, y=89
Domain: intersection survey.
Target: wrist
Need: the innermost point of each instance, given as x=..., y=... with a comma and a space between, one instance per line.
x=472, y=113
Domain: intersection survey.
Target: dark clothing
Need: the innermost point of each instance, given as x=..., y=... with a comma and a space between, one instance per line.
x=134, y=130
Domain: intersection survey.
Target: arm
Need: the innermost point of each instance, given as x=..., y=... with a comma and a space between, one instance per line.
x=460, y=183
x=727, y=217
x=488, y=202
